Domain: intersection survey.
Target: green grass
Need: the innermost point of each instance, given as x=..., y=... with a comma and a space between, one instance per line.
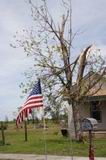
x=55, y=142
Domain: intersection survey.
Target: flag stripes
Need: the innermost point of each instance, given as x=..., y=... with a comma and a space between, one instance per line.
x=34, y=100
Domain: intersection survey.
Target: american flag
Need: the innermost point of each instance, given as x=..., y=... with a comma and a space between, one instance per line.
x=34, y=100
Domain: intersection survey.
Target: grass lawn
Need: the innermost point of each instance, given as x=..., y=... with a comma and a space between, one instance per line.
x=55, y=142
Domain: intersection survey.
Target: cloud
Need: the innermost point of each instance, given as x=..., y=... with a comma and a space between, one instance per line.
x=87, y=12
x=13, y=62
x=13, y=15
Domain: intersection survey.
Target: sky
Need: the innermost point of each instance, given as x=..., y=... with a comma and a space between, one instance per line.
x=88, y=19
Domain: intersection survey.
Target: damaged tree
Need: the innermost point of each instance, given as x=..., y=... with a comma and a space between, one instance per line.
x=53, y=63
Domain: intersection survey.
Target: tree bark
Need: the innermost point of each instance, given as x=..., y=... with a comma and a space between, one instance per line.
x=74, y=121
x=71, y=125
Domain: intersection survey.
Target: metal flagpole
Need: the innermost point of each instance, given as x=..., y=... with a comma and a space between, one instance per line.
x=44, y=131
x=70, y=44
x=71, y=150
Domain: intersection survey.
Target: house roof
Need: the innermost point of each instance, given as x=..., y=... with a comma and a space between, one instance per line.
x=96, y=81
x=100, y=95
x=99, y=89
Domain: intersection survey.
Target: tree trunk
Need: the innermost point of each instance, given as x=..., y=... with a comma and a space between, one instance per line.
x=71, y=125
x=74, y=121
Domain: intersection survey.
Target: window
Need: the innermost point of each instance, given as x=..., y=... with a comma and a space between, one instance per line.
x=96, y=111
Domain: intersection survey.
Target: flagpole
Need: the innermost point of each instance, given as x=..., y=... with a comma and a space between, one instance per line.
x=44, y=130
x=70, y=44
x=44, y=126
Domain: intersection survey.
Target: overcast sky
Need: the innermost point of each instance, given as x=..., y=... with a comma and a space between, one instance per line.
x=88, y=17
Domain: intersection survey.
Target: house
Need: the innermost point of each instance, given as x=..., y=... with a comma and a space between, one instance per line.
x=94, y=105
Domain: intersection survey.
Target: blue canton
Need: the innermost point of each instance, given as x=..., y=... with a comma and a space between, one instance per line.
x=36, y=89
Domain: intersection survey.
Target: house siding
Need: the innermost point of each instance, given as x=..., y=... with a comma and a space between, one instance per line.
x=102, y=125
x=85, y=113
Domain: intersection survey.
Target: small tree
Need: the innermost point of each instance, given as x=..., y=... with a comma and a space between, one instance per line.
x=50, y=45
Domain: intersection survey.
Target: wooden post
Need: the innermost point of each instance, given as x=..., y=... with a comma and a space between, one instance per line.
x=25, y=130
x=91, y=150
x=2, y=132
